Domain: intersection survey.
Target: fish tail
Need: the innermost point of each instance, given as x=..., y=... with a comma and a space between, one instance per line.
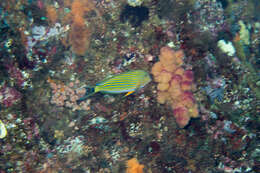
x=89, y=92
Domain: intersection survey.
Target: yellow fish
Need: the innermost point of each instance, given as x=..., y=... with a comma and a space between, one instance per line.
x=127, y=82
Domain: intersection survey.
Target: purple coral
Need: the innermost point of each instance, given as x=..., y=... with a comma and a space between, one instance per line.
x=16, y=74
x=9, y=95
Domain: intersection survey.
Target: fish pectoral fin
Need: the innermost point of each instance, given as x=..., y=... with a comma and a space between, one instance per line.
x=130, y=92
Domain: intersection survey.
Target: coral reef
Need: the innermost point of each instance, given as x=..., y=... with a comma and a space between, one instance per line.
x=175, y=85
x=50, y=49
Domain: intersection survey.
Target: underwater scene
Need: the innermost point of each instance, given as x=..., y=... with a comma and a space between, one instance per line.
x=129, y=86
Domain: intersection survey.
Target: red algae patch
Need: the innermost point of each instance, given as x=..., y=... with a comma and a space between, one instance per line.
x=175, y=85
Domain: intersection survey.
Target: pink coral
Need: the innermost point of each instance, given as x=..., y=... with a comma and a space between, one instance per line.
x=181, y=116
x=175, y=85
x=67, y=95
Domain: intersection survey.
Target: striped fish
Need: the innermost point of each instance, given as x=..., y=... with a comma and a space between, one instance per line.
x=126, y=82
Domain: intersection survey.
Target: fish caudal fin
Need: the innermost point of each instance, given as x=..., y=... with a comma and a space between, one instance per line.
x=89, y=92
x=130, y=92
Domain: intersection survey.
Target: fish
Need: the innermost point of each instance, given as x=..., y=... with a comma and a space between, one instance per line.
x=127, y=82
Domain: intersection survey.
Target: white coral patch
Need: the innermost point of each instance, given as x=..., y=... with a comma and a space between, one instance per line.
x=226, y=47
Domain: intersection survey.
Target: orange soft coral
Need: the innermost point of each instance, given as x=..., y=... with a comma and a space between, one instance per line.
x=162, y=97
x=167, y=56
x=157, y=69
x=51, y=14
x=79, y=38
x=79, y=34
x=133, y=166
x=79, y=8
x=175, y=85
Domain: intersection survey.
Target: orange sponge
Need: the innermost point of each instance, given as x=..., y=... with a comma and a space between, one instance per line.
x=133, y=166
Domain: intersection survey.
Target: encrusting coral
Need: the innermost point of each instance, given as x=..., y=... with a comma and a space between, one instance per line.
x=175, y=85
x=133, y=166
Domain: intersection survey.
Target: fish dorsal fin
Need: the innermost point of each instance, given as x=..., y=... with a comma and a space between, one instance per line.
x=104, y=80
